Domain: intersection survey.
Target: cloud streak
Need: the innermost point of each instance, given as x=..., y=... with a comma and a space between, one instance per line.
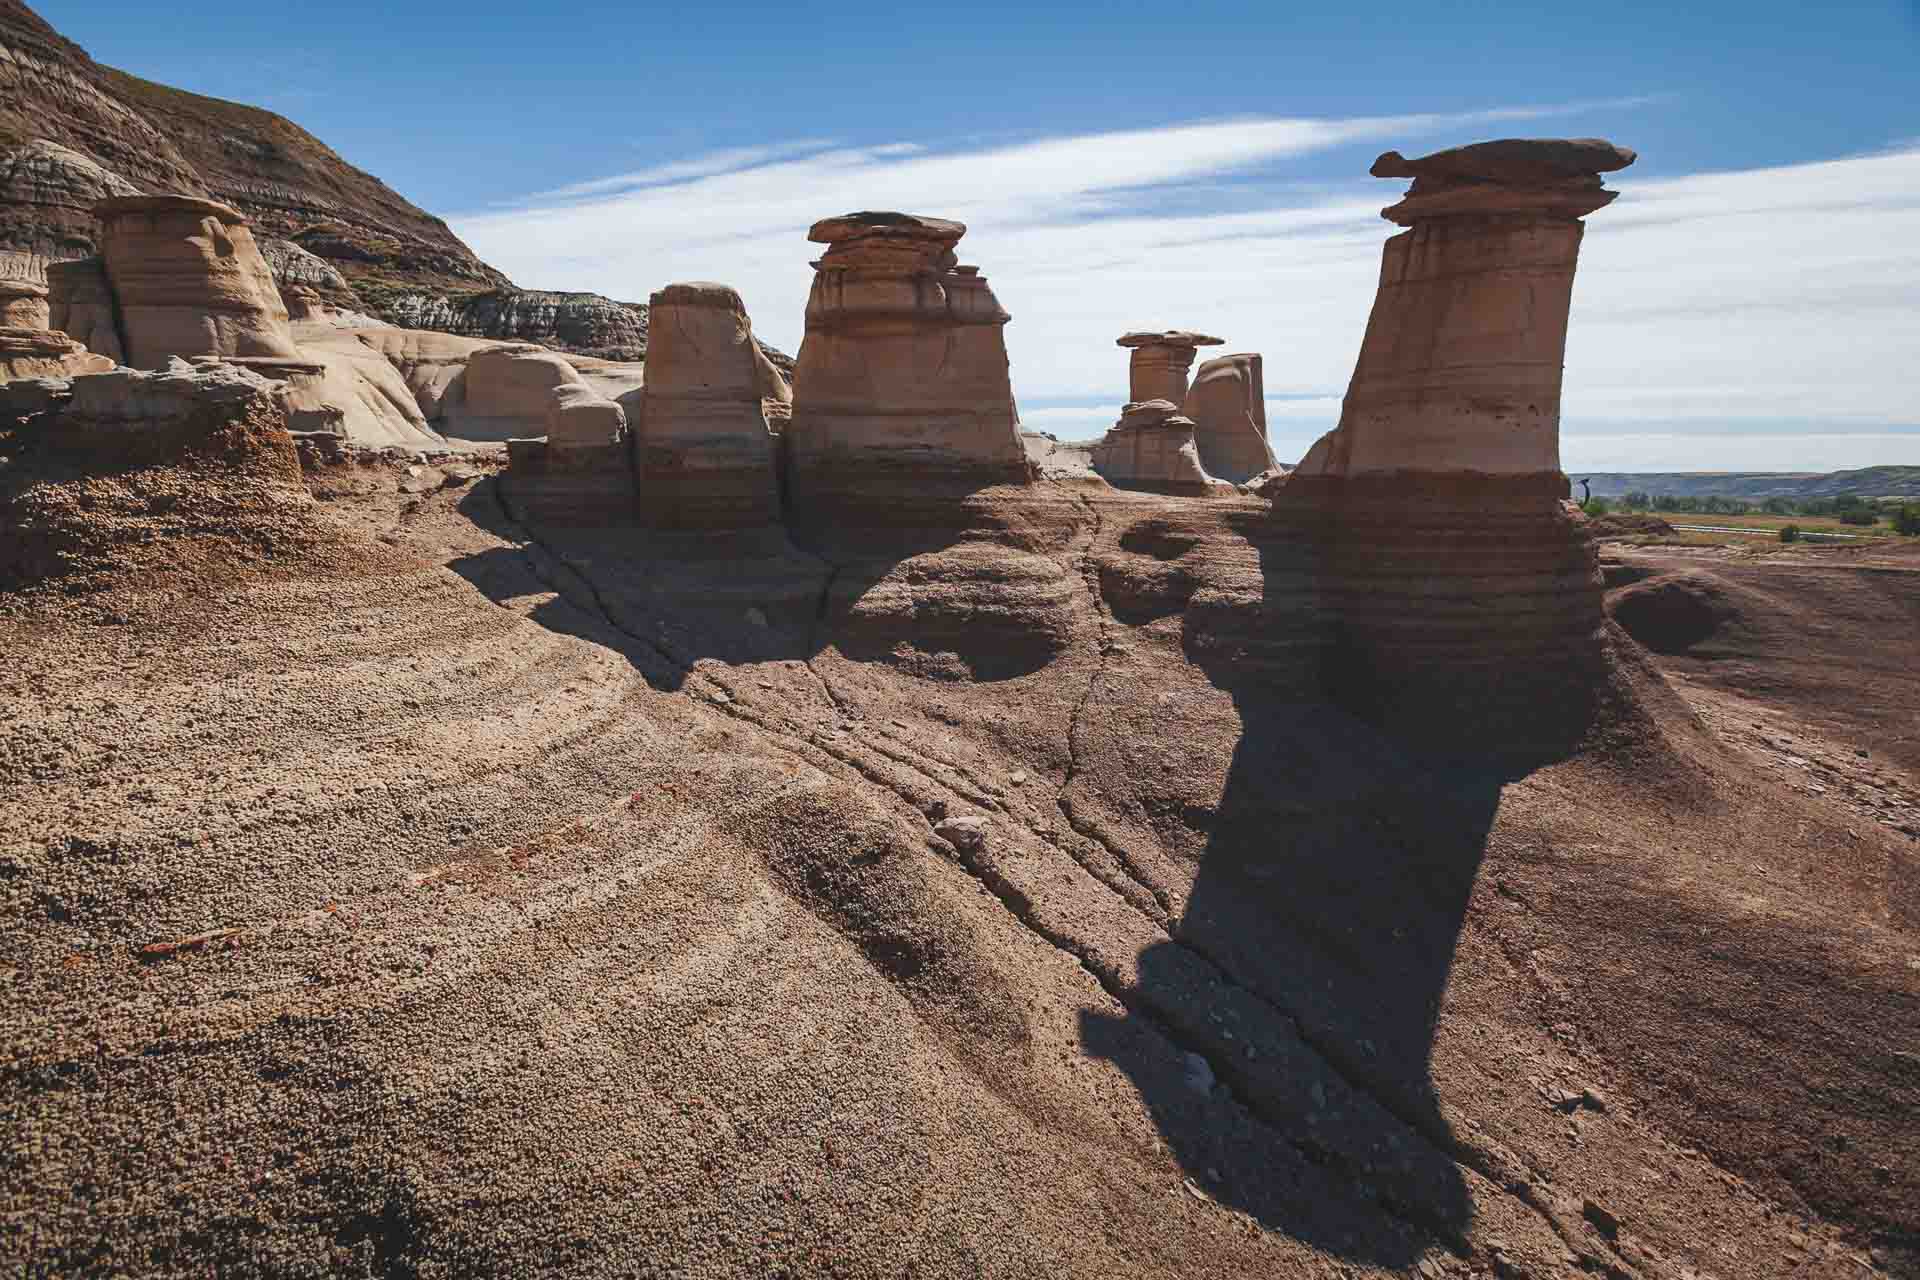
x=1760, y=296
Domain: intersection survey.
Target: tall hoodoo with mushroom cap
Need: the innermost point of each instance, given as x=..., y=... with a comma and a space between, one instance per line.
x=1465, y=586
x=901, y=390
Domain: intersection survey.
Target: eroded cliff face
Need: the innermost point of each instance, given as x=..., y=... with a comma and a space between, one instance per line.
x=583, y=323
x=73, y=132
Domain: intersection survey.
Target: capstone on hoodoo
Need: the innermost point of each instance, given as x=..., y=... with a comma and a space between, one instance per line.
x=1466, y=591
x=901, y=390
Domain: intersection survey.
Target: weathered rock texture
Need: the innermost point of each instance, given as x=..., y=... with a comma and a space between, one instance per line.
x=1157, y=370
x=1467, y=593
x=80, y=302
x=73, y=132
x=1227, y=403
x=23, y=304
x=902, y=388
x=28, y=349
x=702, y=452
x=1152, y=449
x=190, y=281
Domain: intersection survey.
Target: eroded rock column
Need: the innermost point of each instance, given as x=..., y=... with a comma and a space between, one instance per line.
x=81, y=306
x=1151, y=449
x=190, y=281
x=1157, y=369
x=1228, y=405
x=1467, y=592
x=701, y=447
x=901, y=391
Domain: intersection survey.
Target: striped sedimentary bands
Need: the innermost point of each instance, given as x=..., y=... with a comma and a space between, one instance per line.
x=1465, y=591
x=901, y=391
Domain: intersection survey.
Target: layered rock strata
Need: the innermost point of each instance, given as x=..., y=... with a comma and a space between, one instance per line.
x=1152, y=449
x=28, y=349
x=902, y=390
x=582, y=472
x=190, y=281
x=702, y=452
x=1468, y=595
x=81, y=305
x=1157, y=369
x=1227, y=403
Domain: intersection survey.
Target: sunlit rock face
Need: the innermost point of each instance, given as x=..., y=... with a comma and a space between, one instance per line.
x=1157, y=368
x=901, y=390
x=1227, y=403
x=701, y=446
x=190, y=281
x=1151, y=449
x=1466, y=589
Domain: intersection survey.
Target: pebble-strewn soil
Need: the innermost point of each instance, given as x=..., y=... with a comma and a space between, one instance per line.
x=426, y=894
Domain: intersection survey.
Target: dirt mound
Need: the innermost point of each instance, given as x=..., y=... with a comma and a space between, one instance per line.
x=155, y=481
x=1678, y=612
x=1628, y=524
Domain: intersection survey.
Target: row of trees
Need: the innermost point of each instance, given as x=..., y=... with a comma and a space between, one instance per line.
x=1847, y=508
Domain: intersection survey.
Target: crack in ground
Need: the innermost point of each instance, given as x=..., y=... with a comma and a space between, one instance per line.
x=1486, y=1164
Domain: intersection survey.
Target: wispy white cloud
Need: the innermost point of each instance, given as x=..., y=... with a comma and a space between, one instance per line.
x=1752, y=296
x=729, y=160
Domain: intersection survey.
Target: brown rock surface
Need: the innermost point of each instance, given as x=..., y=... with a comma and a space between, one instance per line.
x=1467, y=589
x=80, y=304
x=1228, y=405
x=23, y=305
x=901, y=390
x=702, y=451
x=1152, y=449
x=1157, y=369
x=189, y=281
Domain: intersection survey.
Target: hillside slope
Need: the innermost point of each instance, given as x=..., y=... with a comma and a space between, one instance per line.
x=73, y=131
x=1867, y=482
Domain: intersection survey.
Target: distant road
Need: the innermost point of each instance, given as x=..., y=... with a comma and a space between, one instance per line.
x=1763, y=533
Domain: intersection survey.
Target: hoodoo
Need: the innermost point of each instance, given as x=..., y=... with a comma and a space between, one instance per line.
x=1157, y=370
x=1152, y=449
x=190, y=281
x=81, y=305
x=1464, y=585
x=701, y=447
x=1227, y=403
x=901, y=390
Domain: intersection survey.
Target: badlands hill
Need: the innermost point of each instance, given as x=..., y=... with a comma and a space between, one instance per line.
x=1865, y=482
x=73, y=132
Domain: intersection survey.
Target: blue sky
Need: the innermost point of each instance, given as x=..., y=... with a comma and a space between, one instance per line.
x=1753, y=299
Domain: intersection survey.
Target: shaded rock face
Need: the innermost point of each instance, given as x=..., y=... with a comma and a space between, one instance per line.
x=1228, y=405
x=1467, y=593
x=702, y=451
x=1152, y=449
x=80, y=304
x=901, y=389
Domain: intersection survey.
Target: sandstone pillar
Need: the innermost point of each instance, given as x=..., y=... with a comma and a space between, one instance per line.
x=701, y=447
x=901, y=390
x=1228, y=405
x=1465, y=588
x=1152, y=449
x=1158, y=367
x=190, y=281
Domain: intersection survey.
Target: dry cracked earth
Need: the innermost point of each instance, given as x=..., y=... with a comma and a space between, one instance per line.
x=395, y=889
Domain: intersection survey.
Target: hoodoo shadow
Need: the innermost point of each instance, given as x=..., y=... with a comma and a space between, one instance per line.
x=1330, y=888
